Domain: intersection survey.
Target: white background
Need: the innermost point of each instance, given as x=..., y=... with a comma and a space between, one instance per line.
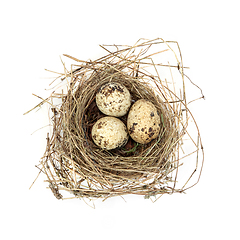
x=33, y=36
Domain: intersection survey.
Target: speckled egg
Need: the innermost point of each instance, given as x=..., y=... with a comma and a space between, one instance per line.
x=143, y=121
x=113, y=99
x=109, y=133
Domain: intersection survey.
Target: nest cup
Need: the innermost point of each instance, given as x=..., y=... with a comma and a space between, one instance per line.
x=73, y=163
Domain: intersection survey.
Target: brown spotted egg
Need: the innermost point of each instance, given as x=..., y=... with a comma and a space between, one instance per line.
x=109, y=133
x=143, y=121
x=113, y=99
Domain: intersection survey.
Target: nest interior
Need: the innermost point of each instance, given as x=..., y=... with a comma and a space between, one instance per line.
x=73, y=163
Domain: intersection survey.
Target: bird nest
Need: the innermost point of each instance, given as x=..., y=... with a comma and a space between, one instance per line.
x=73, y=163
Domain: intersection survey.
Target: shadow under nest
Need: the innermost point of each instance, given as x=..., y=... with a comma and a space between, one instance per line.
x=72, y=162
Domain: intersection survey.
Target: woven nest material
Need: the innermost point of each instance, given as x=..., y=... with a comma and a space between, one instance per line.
x=73, y=163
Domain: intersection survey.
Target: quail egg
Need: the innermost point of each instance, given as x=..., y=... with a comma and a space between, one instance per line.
x=143, y=121
x=113, y=99
x=109, y=133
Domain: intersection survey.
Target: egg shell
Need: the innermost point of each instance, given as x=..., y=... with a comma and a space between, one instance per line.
x=109, y=133
x=113, y=99
x=143, y=121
